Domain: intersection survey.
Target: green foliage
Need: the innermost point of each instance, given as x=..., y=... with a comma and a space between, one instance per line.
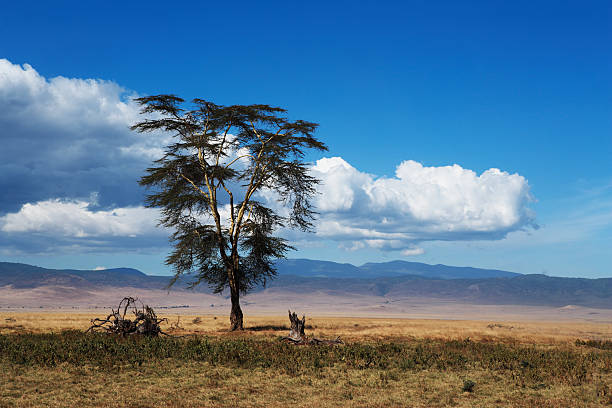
x=528, y=365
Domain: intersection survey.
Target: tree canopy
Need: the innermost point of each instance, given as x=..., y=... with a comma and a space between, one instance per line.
x=213, y=187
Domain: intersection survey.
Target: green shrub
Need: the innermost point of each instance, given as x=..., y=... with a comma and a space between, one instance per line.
x=468, y=386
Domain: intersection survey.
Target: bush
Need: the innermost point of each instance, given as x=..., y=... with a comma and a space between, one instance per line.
x=468, y=386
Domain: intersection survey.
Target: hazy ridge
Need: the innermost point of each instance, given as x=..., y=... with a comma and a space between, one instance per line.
x=392, y=280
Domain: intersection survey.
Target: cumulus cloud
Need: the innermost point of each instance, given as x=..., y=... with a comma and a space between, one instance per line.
x=71, y=224
x=75, y=219
x=418, y=204
x=67, y=137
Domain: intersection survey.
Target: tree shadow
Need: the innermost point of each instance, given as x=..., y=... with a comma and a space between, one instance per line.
x=270, y=327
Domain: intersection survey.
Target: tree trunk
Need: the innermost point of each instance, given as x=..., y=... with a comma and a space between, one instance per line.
x=234, y=284
x=236, y=313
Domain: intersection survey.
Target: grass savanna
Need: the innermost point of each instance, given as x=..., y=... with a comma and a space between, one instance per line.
x=350, y=329
x=253, y=368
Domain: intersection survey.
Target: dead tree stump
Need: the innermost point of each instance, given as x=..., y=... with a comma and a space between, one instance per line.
x=298, y=337
x=297, y=327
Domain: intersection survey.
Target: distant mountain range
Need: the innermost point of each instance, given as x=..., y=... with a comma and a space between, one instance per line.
x=21, y=276
x=392, y=280
x=324, y=269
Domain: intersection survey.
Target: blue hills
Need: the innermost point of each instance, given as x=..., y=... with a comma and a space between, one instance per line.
x=397, y=279
x=327, y=269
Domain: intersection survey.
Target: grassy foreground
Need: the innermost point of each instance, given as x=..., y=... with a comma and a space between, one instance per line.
x=74, y=369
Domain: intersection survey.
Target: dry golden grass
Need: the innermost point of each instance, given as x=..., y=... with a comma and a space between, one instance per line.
x=348, y=328
x=199, y=384
x=202, y=385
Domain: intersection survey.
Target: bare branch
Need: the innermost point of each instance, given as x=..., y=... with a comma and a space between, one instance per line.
x=222, y=143
x=194, y=185
x=145, y=321
x=238, y=158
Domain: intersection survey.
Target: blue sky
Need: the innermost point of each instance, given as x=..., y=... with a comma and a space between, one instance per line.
x=523, y=87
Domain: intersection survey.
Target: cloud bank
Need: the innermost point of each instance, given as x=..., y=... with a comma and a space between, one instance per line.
x=420, y=203
x=75, y=219
x=64, y=226
x=65, y=138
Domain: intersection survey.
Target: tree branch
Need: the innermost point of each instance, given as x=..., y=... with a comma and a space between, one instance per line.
x=249, y=192
x=238, y=158
x=212, y=203
x=222, y=142
x=231, y=196
x=194, y=185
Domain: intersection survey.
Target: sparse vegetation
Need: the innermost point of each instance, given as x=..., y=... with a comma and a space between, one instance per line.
x=382, y=364
x=527, y=364
x=519, y=367
x=600, y=344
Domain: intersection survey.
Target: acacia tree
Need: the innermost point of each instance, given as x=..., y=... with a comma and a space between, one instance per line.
x=206, y=186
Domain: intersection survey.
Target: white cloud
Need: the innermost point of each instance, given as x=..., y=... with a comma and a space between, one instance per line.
x=62, y=100
x=73, y=218
x=357, y=210
x=71, y=226
x=413, y=251
x=420, y=203
x=99, y=268
x=66, y=137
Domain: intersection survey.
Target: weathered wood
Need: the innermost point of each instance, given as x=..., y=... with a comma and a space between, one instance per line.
x=297, y=327
x=298, y=337
x=145, y=321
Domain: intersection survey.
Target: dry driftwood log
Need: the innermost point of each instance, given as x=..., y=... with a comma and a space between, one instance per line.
x=297, y=336
x=144, y=322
